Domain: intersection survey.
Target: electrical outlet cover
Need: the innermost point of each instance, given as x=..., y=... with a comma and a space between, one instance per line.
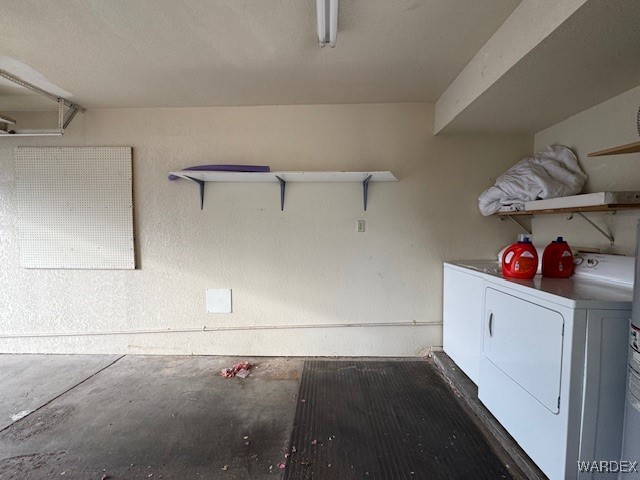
x=361, y=226
x=218, y=300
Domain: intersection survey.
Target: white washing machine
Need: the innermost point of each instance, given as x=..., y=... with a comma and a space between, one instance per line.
x=552, y=362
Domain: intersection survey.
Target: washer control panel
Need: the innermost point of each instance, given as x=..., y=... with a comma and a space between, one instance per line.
x=610, y=268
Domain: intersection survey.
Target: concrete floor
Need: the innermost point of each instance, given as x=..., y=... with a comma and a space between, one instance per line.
x=132, y=417
x=30, y=381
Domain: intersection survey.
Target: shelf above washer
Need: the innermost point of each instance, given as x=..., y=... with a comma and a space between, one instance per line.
x=580, y=211
x=622, y=149
x=593, y=208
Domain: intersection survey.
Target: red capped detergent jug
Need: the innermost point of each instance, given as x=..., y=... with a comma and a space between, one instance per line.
x=520, y=260
x=557, y=260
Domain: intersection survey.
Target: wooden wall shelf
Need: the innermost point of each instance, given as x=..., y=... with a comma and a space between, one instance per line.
x=580, y=211
x=628, y=148
x=593, y=208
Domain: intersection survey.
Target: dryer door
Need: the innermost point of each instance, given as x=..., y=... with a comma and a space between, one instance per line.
x=524, y=340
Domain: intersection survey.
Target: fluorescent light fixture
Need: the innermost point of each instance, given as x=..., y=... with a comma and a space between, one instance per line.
x=322, y=22
x=333, y=22
x=327, y=12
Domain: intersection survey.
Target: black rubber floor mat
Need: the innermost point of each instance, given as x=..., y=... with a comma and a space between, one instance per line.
x=383, y=420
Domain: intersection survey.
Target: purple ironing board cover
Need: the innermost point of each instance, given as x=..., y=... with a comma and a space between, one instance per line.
x=225, y=168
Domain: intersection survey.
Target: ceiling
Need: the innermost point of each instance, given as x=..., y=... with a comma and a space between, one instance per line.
x=188, y=53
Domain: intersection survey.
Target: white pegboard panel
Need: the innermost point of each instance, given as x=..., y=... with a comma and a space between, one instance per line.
x=75, y=207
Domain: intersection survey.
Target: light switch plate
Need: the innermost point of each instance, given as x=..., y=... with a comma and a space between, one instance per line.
x=218, y=300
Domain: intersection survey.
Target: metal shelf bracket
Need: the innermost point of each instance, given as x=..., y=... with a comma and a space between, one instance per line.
x=201, y=184
x=365, y=190
x=520, y=226
x=283, y=184
x=604, y=233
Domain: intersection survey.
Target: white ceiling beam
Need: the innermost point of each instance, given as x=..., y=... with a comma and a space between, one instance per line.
x=529, y=24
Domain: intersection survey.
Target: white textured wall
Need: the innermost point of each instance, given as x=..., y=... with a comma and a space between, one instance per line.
x=606, y=125
x=305, y=265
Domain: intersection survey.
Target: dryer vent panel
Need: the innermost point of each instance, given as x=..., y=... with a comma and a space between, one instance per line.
x=75, y=207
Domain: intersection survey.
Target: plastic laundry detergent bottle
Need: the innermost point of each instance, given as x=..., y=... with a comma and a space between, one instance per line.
x=520, y=260
x=557, y=260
